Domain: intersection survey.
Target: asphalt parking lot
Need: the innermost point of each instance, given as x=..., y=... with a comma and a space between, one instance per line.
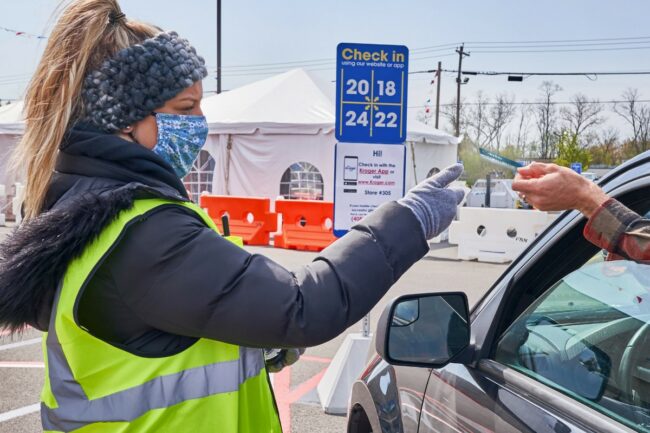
x=21, y=368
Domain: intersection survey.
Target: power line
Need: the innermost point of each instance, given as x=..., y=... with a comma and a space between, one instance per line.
x=453, y=104
x=271, y=67
x=561, y=40
x=484, y=47
x=448, y=46
x=560, y=45
x=495, y=73
x=443, y=47
x=479, y=51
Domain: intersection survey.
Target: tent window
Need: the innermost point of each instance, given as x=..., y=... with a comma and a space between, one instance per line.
x=200, y=178
x=302, y=181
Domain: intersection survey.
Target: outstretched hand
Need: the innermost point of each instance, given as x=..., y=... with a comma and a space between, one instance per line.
x=549, y=187
x=433, y=203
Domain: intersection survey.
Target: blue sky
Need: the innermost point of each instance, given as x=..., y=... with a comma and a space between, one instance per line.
x=263, y=32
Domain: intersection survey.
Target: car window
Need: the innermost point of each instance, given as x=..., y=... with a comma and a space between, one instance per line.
x=588, y=336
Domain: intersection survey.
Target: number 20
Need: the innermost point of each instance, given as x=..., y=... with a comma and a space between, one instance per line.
x=361, y=87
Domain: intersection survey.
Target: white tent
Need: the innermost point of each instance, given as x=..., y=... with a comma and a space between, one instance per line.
x=259, y=131
x=11, y=128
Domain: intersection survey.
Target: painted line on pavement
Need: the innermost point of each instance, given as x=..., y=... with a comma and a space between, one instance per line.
x=285, y=396
x=16, y=413
x=21, y=343
x=21, y=364
x=315, y=359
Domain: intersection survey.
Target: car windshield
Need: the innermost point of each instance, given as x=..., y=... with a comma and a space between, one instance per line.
x=617, y=288
x=589, y=337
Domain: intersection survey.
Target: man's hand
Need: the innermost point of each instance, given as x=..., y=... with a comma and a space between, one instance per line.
x=549, y=187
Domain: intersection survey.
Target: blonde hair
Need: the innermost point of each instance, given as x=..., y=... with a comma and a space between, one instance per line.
x=87, y=33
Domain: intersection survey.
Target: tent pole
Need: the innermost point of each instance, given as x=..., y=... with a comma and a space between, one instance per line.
x=438, y=76
x=218, y=46
x=228, y=158
x=415, y=173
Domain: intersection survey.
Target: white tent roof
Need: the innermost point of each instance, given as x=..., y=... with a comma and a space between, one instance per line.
x=289, y=103
x=420, y=131
x=11, y=119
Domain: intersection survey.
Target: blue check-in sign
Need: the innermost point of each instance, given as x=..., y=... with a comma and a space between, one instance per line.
x=371, y=93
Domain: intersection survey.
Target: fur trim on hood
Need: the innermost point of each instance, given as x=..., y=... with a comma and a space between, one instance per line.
x=97, y=175
x=34, y=258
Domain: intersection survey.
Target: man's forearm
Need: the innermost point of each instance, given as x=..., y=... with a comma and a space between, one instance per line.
x=619, y=230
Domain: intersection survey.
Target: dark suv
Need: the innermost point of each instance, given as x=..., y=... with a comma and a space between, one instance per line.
x=559, y=344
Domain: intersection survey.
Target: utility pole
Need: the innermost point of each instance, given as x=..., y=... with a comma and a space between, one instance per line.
x=438, y=76
x=218, y=46
x=461, y=53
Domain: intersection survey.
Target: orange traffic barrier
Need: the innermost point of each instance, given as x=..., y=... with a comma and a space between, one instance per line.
x=306, y=224
x=250, y=217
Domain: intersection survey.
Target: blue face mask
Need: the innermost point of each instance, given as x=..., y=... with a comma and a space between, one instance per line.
x=180, y=139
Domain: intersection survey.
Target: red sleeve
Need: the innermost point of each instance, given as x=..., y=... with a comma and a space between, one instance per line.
x=620, y=231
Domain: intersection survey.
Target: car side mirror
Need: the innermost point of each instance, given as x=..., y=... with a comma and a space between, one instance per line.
x=427, y=330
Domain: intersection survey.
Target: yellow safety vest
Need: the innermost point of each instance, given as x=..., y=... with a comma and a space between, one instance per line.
x=93, y=386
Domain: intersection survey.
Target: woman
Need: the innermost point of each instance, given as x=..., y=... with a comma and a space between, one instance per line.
x=152, y=317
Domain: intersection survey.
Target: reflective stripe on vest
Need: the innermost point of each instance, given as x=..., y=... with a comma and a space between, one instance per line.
x=211, y=369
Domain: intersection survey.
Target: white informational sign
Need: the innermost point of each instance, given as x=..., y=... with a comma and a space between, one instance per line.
x=366, y=175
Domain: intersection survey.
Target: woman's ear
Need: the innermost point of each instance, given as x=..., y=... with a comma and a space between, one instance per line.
x=126, y=133
x=144, y=132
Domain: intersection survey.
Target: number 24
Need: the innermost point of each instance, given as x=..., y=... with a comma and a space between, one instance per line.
x=380, y=117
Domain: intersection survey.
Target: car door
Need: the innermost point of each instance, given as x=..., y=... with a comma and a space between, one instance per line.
x=488, y=391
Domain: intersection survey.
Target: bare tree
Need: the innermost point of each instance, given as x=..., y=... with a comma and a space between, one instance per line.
x=477, y=122
x=520, y=138
x=546, y=116
x=448, y=111
x=581, y=117
x=607, y=149
x=637, y=115
x=500, y=115
x=608, y=139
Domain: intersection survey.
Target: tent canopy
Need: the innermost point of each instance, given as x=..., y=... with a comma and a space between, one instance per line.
x=419, y=131
x=289, y=103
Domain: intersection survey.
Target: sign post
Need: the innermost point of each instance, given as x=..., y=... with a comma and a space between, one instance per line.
x=370, y=158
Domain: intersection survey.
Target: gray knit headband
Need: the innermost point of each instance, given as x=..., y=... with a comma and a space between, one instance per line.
x=139, y=79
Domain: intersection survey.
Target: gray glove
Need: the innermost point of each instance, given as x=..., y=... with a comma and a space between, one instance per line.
x=432, y=203
x=277, y=359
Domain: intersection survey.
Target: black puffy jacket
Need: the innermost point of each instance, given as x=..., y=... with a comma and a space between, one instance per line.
x=171, y=279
